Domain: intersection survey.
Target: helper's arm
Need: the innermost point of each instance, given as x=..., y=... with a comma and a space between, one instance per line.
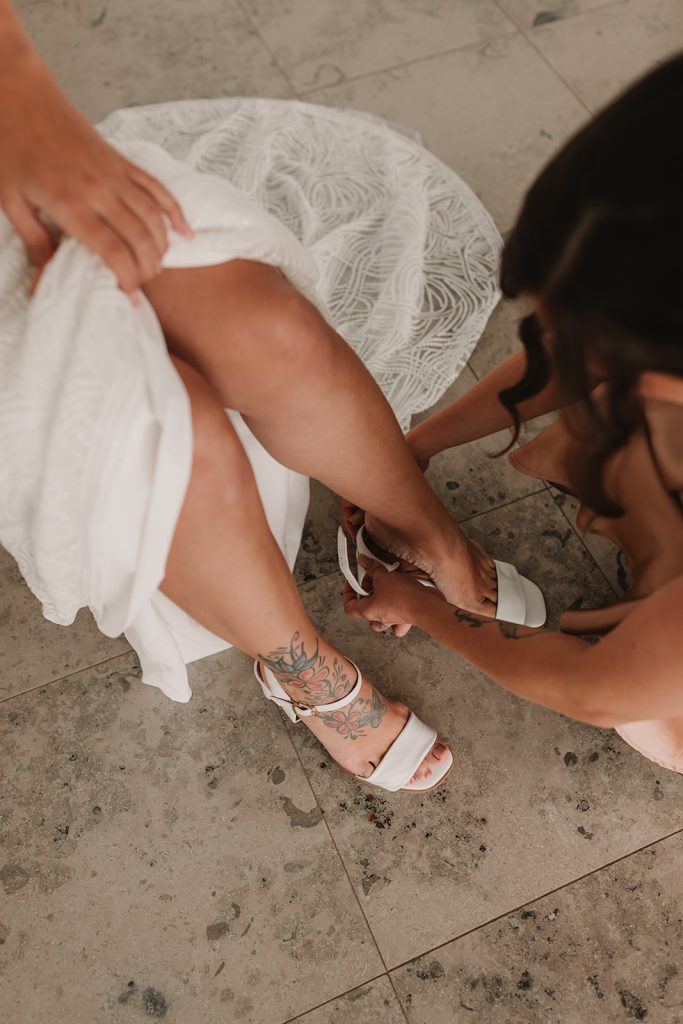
x=632, y=674
x=479, y=412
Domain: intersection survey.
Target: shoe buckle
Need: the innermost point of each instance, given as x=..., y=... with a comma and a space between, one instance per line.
x=308, y=709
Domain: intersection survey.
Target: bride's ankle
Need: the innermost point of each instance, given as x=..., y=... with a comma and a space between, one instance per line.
x=429, y=546
x=311, y=671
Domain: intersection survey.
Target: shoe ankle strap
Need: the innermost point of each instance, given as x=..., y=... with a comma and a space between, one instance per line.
x=305, y=710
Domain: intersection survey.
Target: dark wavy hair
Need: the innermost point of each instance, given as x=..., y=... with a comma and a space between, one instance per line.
x=599, y=245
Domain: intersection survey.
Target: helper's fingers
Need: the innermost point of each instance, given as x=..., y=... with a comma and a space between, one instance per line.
x=163, y=198
x=33, y=233
x=362, y=608
x=359, y=607
x=352, y=602
x=371, y=568
x=352, y=517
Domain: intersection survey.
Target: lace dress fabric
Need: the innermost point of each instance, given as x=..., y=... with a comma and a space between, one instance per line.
x=95, y=428
x=406, y=255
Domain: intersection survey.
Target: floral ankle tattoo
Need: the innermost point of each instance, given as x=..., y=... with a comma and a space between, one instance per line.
x=319, y=683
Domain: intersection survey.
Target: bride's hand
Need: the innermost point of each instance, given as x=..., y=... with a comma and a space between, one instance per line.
x=52, y=161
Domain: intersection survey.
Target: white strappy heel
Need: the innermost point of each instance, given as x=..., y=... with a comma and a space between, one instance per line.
x=402, y=759
x=520, y=601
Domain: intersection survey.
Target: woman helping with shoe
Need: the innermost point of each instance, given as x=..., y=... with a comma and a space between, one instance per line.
x=597, y=249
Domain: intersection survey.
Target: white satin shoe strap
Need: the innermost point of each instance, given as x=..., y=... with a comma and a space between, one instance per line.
x=278, y=694
x=511, y=600
x=520, y=600
x=345, y=565
x=363, y=549
x=404, y=756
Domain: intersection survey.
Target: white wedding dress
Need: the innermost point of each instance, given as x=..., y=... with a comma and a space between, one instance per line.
x=95, y=428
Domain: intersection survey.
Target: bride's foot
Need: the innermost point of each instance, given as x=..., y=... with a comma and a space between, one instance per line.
x=463, y=571
x=358, y=735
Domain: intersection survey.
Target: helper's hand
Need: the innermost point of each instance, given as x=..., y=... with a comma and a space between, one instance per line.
x=395, y=600
x=52, y=161
x=352, y=517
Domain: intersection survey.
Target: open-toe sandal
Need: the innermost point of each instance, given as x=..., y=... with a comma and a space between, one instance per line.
x=520, y=600
x=402, y=759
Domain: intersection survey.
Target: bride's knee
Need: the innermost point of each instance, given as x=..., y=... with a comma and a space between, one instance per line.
x=267, y=324
x=244, y=317
x=295, y=336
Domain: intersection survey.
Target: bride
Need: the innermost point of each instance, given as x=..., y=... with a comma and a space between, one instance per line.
x=118, y=458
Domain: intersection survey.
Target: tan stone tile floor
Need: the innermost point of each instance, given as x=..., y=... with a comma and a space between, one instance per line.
x=208, y=863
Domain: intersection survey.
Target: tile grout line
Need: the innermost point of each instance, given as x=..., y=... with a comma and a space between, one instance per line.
x=563, y=17
x=579, y=535
x=540, y=896
x=248, y=18
x=322, y=576
x=469, y=364
x=300, y=1016
x=290, y=1020
x=527, y=32
x=508, y=34
x=68, y=675
x=504, y=504
x=398, y=998
x=345, y=869
x=507, y=913
x=515, y=29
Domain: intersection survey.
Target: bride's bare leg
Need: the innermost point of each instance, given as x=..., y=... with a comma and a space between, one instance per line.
x=226, y=570
x=315, y=408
